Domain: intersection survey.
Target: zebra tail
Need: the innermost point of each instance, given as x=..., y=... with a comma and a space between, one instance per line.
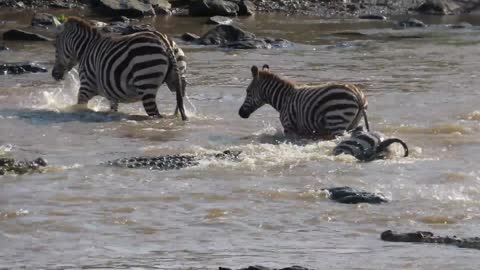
x=386, y=143
x=365, y=119
x=180, y=106
x=180, y=90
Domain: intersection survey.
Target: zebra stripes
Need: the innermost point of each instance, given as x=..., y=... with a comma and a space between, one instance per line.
x=120, y=68
x=367, y=146
x=323, y=111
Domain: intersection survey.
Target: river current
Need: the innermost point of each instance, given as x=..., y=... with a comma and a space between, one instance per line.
x=422, y=86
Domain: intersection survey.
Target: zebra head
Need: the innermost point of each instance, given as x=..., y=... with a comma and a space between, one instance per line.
x=65, y=56
x=254, y=99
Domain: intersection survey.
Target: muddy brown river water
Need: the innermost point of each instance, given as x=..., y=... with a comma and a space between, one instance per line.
x=264, y=209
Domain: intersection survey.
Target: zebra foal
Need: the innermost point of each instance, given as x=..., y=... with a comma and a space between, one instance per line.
x=320, y=111
x=125, y=68
x=367, y=145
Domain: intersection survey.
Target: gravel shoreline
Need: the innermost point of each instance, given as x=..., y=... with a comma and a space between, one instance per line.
x=321, y=8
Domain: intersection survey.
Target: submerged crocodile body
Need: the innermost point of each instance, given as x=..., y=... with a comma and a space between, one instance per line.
x=350, y=195
x=170, y=162
x=10, y=165
x=345, y=195
x=428, y=237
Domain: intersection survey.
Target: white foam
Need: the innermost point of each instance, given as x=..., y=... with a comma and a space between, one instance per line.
x=5, y=148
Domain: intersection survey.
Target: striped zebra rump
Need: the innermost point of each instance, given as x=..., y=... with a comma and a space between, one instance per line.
x=367, y=145
x=176, y=56
x=329, y=110
x=173, y=49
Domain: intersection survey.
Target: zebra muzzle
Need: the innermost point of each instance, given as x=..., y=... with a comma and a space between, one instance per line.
x=57, y=75
x=243, y=113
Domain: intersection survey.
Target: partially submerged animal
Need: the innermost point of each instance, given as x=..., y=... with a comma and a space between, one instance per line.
x=367, y=145
x=428, y=237
x=170, y=162
x=11, y=166
x=350, y=195
x=320, y=111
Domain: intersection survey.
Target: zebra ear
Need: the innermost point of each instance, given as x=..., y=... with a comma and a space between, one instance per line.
x=266, y=68
x=254, y=71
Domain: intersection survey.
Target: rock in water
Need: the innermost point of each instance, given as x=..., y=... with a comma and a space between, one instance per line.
x=16, y=69
x=10, y=165
x=245, y=7
x=219, y=20
x=247, y=44
x=213, y=8
x=373, y=17
x=162, y=7
x=349, y=195
x=16, y=34
x=126, y=28
x=44, y=19
x=439, y=7
x=60, y=5
x=461, y=25
x=409, y=23
x=223, y=34
x=189, y=37
x=134, y=8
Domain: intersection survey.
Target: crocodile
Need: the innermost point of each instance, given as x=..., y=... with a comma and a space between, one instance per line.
x=170, y=162
x=429, y=237
x=350, y=195
x=346, y=195
x=11, y=166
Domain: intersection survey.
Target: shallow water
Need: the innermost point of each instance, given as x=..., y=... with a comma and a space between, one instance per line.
x=265, y=209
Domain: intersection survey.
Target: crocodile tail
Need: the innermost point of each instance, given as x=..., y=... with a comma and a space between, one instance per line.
x=386, y=143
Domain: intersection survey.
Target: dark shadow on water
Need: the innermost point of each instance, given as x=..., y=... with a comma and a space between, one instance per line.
x=45, y=117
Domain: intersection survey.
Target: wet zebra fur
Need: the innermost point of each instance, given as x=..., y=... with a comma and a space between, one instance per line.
x=320, y=111
x=176, y=50
x=367, y=146
x=125, y=68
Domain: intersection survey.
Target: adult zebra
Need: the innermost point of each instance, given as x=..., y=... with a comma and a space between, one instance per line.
x=320, y=111
x=125, y=68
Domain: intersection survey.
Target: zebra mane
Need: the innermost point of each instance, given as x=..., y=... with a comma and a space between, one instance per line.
x=82, y=23
x=271, y=76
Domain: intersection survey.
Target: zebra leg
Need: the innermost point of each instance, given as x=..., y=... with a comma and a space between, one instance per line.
x=150, y=105
x=84, y=95
x=113, y=106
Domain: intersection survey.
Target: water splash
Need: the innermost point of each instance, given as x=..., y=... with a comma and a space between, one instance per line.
x=64, y=97
x=59, y=98
x=191, y=104
x=5, y=149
